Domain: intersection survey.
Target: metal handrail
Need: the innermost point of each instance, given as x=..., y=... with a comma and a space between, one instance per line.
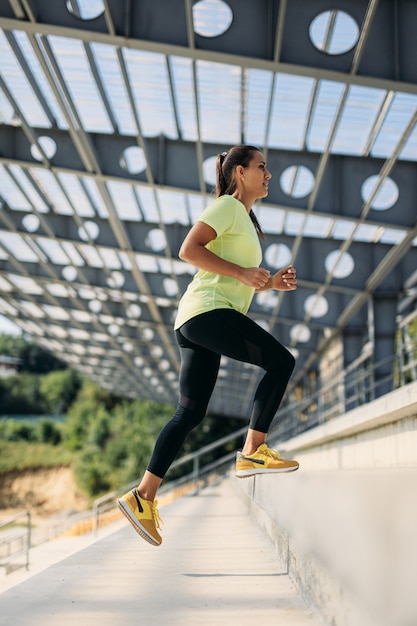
x=353, y=387
x=108, y=501
x=356, y=385
x=15, y=544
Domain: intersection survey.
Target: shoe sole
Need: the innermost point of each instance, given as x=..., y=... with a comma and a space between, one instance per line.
x=251, y=472
x=125, y=509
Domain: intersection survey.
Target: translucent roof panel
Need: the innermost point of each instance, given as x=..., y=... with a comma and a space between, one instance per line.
x=32, y=194
x=258, y=97
x=27, y=285
x=6, y=110
x=149, y=81
x=106, y=131
x=111, y=259
x=20, y=87
x=148, y=204
x=409, y=151
x=196, y=204
x=292, y=99
x=392, y=236
x=343, y=229
x=79, y=79
x=173, y=207
x=327, y=102
x=124, y=200
x=183, y=86
x=28, y=51
x=271, y=219
x=360, y=111
x=94, y=196
x=56, y=312
x=11, y=193
x=147, y=263
x=72, y=186
x=316, y=226
x=108, y=64
x=294, y=223
x=56, y=196
x=91, y=255
x=53, y=250
x=402, y=108
x=367, y=232
x=220, y=107
x=4, y=285
x=72, y=252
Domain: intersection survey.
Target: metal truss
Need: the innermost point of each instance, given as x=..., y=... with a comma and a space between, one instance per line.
x=111, y=114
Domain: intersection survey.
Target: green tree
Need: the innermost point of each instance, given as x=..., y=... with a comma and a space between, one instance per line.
x=134, y=428
x=90, y=402
x=20, y=394
x=47, y=431
x=91, y=471
x=12, y=345
x=114, y=437
x=34, y=359
x=58, y=390
x=20, y=430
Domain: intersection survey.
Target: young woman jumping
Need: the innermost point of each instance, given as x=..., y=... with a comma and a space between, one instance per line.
x=211, y=321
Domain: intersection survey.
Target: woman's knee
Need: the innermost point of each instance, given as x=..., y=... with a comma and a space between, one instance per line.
x=188, y=418
x=281, y=361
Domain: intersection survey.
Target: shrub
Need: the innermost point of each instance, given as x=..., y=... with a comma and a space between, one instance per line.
x=12, y=430
x=91, y=472
x=48, y=432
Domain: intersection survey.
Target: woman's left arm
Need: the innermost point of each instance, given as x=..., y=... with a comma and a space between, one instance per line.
x=284, y=280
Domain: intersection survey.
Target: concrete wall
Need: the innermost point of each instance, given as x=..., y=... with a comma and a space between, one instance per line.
x=345, y=524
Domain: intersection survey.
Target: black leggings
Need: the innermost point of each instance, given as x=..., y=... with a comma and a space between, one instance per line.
x=202, y=341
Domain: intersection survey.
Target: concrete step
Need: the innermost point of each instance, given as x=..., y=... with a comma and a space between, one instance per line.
x=215, y=567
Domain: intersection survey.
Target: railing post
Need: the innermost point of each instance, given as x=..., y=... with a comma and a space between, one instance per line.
x=29, y=539
x=196, y=471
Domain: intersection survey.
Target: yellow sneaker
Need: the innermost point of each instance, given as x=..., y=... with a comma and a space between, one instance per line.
x=143, y=515
x=263, y=461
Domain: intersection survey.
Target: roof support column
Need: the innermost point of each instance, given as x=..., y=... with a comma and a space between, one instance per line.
x=383, y=340
x=356, y=389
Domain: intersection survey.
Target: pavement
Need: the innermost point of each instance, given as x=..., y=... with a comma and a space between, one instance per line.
x=214, y=567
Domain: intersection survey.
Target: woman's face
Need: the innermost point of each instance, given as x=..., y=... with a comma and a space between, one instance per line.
x=256, y=176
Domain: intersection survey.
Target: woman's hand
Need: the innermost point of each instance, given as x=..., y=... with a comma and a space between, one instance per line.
x=255, y=277
x=285, y=279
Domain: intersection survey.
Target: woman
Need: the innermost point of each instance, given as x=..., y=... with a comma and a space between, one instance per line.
x=211, y=321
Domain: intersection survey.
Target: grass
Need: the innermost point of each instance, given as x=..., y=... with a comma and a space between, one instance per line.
x=21, y=455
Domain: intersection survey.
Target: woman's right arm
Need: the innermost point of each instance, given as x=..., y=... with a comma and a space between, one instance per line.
x=194, y=251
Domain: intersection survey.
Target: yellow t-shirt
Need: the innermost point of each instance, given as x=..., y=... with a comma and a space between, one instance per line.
x=237, y=241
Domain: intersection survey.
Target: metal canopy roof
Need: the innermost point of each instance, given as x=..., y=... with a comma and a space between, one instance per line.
x=112, y=114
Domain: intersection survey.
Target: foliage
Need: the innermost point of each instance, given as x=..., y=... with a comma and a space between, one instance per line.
x=91, y=471
x=21, y=455
x=58, y=390
x=108, y=440
x=48, y=431
x=114, y=439
x=32, y=394
x=406, y=343
x=20, y=394
x=34, y=359
x=44, y=430
x=12, y=345
x=91, y=405
x=42, y=384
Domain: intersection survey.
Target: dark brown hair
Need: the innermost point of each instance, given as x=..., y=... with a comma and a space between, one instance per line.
x=225, y=174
